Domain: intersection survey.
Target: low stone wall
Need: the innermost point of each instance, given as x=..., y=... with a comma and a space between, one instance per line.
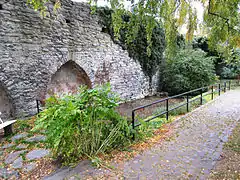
x=33, y=49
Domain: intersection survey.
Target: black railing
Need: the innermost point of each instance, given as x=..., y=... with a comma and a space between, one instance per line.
x=39, y=103
x=208, y=90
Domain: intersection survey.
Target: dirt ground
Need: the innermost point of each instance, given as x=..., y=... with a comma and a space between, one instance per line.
x=228, y=166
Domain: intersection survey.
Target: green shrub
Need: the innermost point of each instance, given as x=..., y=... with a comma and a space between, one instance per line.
x=83, y=124
x=232, y=69
x=190, y=69
x=229, y=73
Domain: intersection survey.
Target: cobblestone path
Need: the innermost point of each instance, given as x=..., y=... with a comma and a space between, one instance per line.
x=195, y=147
x=192, y=151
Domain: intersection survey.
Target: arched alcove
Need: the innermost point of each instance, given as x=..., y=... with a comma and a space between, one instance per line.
x=6, y=107
x=67, y=79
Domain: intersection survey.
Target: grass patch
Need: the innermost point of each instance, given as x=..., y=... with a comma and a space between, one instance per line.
x=228, y=167
x=183, y=109
x=234, y=140
x=147, y=128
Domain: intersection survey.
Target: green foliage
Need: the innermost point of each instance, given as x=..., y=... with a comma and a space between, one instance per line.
x=41, y=5
x=144, y=130
x=221, y=21
x=203, y=44
x=234, y=142
x=229, y=73
x=83, y=124
x=138, y=48
x=22, y=125
x=190, y=69
x=232, y=69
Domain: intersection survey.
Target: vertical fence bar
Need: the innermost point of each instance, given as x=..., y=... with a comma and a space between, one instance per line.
x=133, y=123
x=38, y=110
x=201, y=100
x=212, y=92
x=219, y=89
x=229, y=85
x=187, y=103
x=225, y=86
x=167, y=110
x=133, y=119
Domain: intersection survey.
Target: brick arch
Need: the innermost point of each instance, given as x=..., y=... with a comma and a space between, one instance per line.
x=67, y=79
x=6, y=106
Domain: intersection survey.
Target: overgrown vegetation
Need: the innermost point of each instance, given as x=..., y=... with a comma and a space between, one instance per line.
x=190, y=69
x=138, y=48
x=232, y=69
x=84, y=124
x=220, y=20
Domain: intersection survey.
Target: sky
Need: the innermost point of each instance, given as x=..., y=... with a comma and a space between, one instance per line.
x=183, y=30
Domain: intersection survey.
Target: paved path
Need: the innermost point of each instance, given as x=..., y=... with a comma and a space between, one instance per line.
x=195, y=147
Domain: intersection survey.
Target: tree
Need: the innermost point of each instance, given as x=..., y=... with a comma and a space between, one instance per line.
x=221, y=20
x=137, y=49
x=190, y=69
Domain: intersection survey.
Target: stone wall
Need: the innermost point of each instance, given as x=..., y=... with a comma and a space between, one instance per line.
x=33, y=49
x=67, y=79
x=5, y=105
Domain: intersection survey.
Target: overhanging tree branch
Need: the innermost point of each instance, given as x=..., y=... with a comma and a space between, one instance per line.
x=224, y=18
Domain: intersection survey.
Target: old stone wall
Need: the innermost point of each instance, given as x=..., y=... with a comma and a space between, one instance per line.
x=5, y=105
x=33, y=50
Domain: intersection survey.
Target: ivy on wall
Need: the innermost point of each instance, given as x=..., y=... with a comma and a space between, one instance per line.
x=137, y=49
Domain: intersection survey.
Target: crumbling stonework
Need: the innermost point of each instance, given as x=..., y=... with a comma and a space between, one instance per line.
x=5, y=104
x=33, y=49
x=67, y=79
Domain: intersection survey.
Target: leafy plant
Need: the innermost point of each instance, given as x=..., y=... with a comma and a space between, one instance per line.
x=229, y=73
x=83, y=124
x=190, y=69
x=232, y=69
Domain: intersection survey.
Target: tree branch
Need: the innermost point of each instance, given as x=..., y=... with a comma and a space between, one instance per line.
x=218, y=15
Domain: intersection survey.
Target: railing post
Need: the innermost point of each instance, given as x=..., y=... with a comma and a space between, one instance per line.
x=201, y=100
x=225, y=86
x=38, y=110
x=167, y=110
x=219, y=89
x=212, y=92
x=187, y=103
x=133, y=123
x=229, y=85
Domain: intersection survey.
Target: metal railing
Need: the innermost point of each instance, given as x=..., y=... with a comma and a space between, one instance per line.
x=207, y=89
x=38, y=102
x=166, y=100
